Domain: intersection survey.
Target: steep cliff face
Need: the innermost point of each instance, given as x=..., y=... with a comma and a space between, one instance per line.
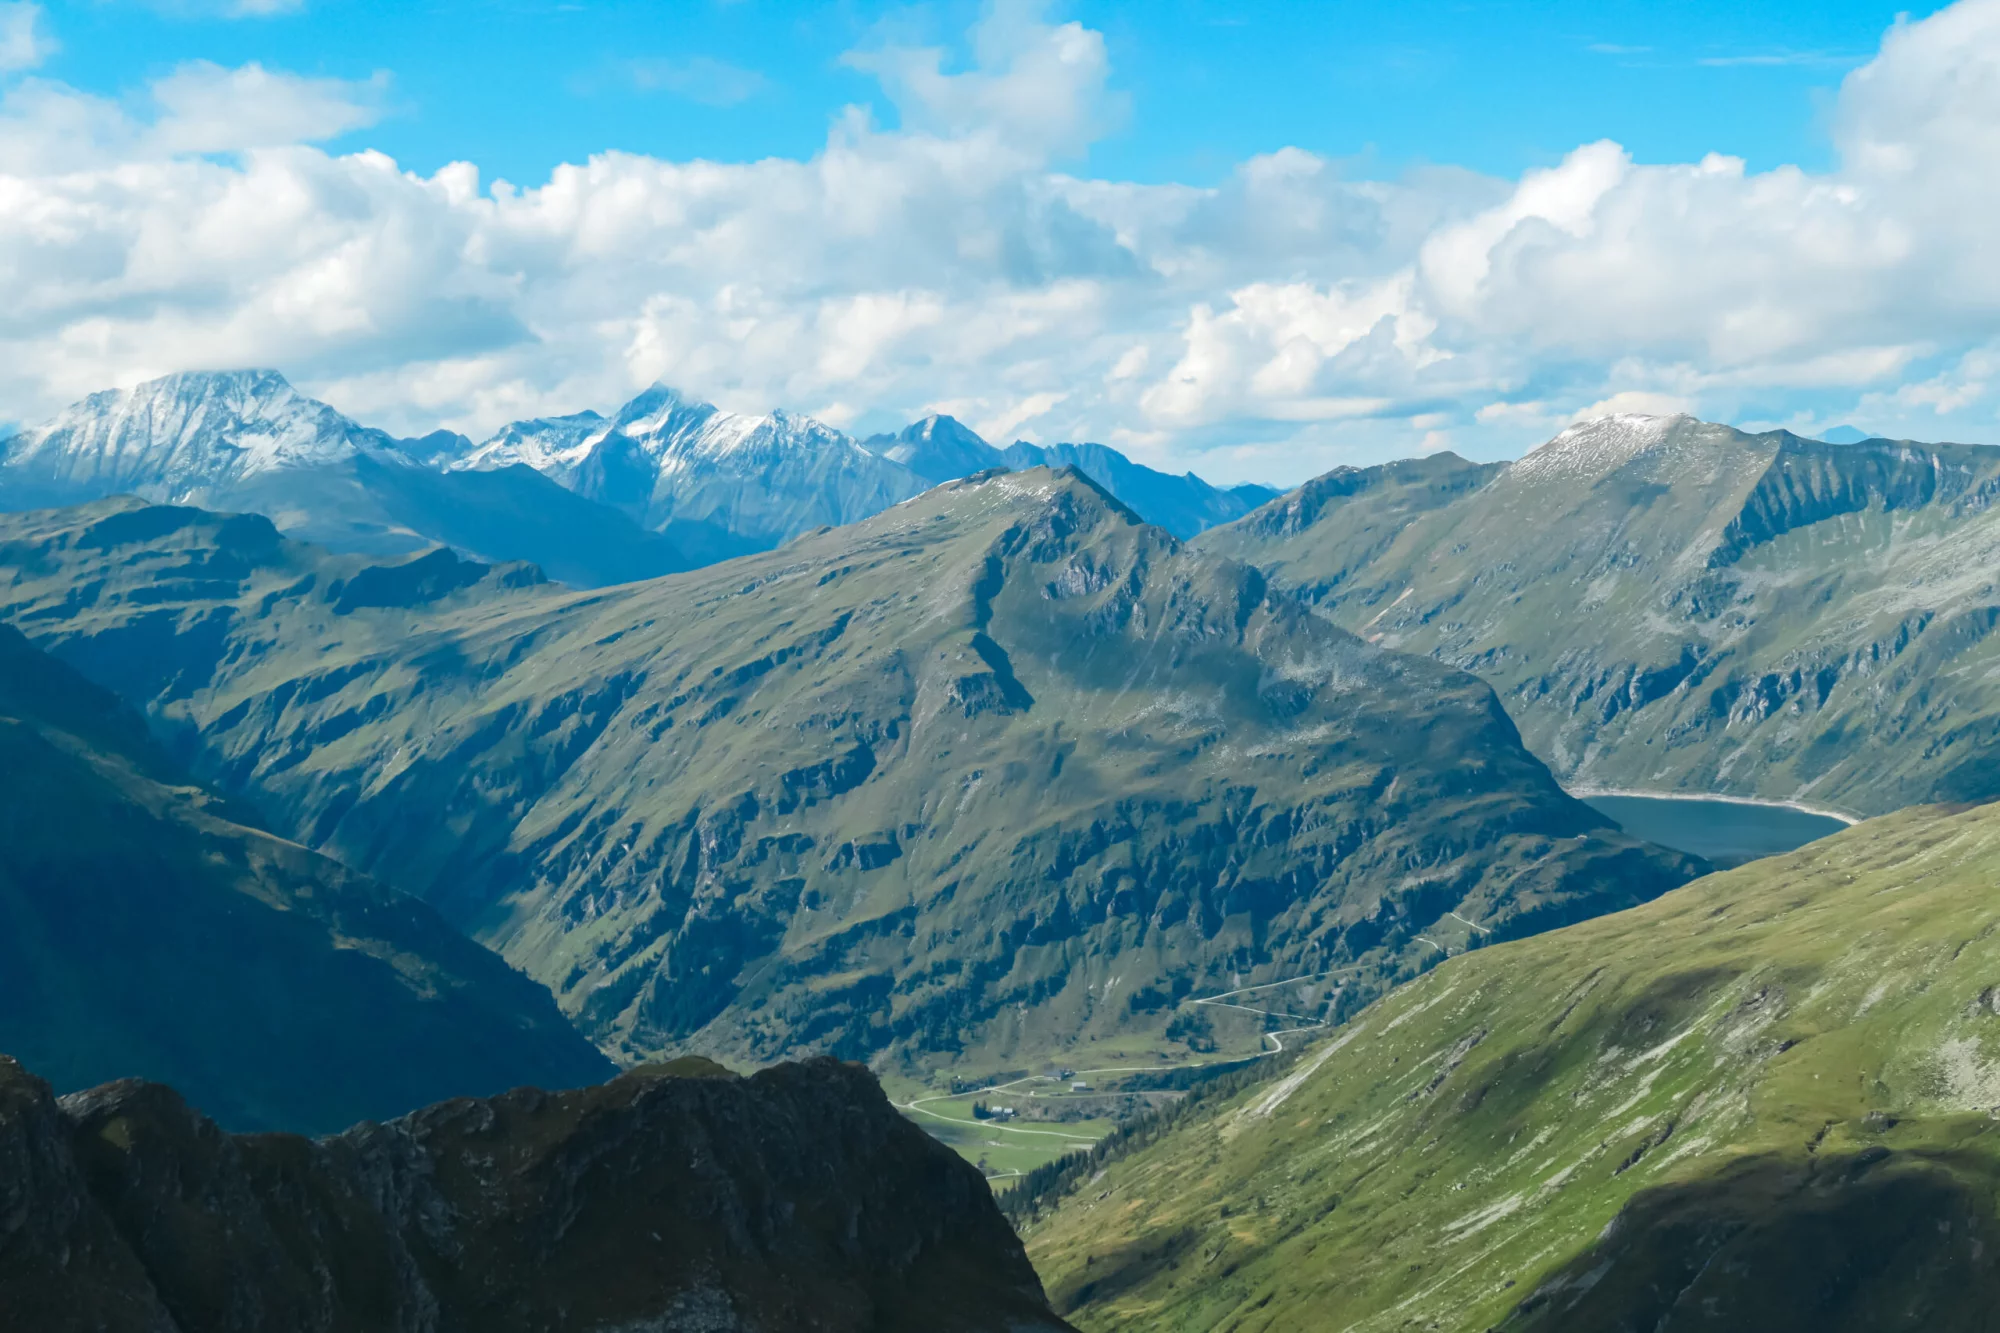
x=1665, y=603
x=681, y=1199
x=1810, y=483
x=997, y=772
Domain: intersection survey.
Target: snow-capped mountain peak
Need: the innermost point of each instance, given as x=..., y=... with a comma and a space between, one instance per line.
x=546, y=444
x=660, y=410
x=677, y=430
x=184, y=435
x=671, y=461
x=717, y=483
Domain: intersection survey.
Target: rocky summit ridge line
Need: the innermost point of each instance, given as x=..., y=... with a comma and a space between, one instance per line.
x=940, y=449
x=676, y=1199
x=997, y=772
x=712, y=480
x=187, y=436
x=1667, y=604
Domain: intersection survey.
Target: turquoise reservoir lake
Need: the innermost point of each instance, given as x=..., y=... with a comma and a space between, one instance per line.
x=1725, y=833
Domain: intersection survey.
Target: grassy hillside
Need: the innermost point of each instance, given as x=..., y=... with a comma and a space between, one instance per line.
x=1765, y=1101
x=1665, y=604
x=998, y=776
x=145, y=931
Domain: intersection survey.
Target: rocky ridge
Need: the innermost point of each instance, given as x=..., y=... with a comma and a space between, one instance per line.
x=1184, y=505
x=938, y=449
x=717, y=481
x=1667, y=604
x=186, y=437
x=662, y=484
x=681, y=1199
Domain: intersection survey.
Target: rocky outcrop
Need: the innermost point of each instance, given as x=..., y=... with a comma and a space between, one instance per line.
x=1810, y=482
x=677, y=1199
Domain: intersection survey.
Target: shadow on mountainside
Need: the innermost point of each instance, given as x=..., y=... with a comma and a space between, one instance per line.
x=1129, y=1266
x=1857, y=1243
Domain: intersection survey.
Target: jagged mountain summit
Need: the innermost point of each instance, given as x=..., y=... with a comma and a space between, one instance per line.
x=146, y=929
x=189, y=437
x=679, y=1198
x=1766, y=1101
x=248, y=441
x=716, y=482
x=725, y=484
x=994, y=774
x=664, y=483
x=1670, y=604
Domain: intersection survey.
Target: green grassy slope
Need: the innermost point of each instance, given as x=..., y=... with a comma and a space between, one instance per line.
x=1764, y=1101
x=145, y=931
x=1672, y=605
x=992, y=776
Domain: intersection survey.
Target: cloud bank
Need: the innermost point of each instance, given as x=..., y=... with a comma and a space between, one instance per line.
x=1285, y=320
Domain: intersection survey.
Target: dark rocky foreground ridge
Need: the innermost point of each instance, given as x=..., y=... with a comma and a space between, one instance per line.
x=674, y=1198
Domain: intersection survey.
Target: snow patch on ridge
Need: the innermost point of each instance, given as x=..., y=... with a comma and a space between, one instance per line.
x=1594, y=448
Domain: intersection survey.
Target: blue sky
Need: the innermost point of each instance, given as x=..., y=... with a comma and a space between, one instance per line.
x=1257, y=240
x=520, y=86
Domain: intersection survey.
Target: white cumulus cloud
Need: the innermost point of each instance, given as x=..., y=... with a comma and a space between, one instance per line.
x=1285, y=319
